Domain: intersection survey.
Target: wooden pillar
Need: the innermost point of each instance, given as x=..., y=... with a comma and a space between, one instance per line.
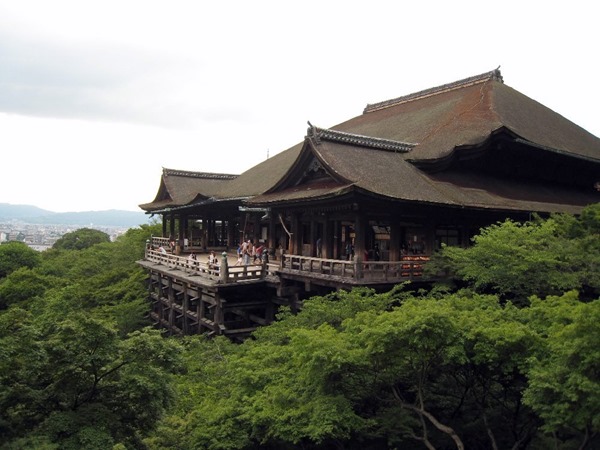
x=200, y=311
x=395, y=237
x=223, y=268
x=296, y=241
x=164, y=225
x=171, y=297
x=313, y=237
x=171, y=225
x=182, y=232
x=184, y=307
x=230, y=233
x=337, y=230
x=429, y=236
x=327, y=240
x=223, y=232
x=183, y=225
x=271, y=243
x=209, y=232
x=160, y=292
x=257, y=227
x=219, y=313
x=360, y=229
x=204, y=234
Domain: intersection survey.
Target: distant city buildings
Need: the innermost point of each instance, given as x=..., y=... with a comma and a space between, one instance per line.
x=41, y=237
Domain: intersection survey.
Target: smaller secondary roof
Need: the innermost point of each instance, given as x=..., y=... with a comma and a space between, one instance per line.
x=180, y=187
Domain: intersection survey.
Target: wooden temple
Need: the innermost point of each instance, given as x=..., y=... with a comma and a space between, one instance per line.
x=366, y=202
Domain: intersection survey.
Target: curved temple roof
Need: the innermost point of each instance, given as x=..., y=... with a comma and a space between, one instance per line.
x=389, y=150
x=181, y=187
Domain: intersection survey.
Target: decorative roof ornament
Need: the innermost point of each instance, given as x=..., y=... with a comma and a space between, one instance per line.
x=203, y=175
x=317, y=135
x=313, y=132
x=493, y=75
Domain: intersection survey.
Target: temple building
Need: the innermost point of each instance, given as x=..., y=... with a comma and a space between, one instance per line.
x=408, y=174
x=390, y=185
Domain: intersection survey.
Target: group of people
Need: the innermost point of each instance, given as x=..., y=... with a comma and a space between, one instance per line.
x=160, y=249
x=247, y=252
x=212, y=262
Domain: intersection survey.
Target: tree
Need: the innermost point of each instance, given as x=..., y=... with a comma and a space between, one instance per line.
x=77, y=368
x=22, y=285
x=272, y=391
x=75, y=381
x=14, y=255
x=541, y=257
x=352, y=371
x=81, y=239
x=564, y=384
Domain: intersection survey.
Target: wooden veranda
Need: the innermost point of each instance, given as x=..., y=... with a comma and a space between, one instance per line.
x=191, y=296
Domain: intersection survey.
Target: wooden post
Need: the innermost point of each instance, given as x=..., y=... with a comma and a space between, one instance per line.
x=337, y=230
x=271, y=242
x=172, y=225
x=313, y=238
x=296, y=241
x=200, y=311
x=219, y=317
x=230, y=233
x=263, y=272
x=184, y=307
x=224, y=269
x=171, y=297
x=327, y=240
x=395, y=236
x=360, y=226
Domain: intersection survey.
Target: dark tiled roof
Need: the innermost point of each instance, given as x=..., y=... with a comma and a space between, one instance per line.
x=303, y=193
x=180, y=187
x=263, y=176
x=493, y=75
x=380, y=151
x=466, y=113
x=388, y=175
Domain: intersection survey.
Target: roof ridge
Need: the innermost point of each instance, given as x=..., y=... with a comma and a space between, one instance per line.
x=465, y=82
x=319, y=134
x=205, y=175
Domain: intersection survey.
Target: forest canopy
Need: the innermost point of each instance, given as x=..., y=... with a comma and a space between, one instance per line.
x=505, y=356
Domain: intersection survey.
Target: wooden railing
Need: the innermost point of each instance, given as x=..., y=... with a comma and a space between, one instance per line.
x=408, y=268
x=159, y=242
x=222, y=272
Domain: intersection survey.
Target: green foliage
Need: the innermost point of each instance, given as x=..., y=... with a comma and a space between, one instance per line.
x=543, y=257
x=15, y=255
x=21, y=285
x=100, y=388
x=103, y=277
x=564, y=387
x=77, y=367
x=365, y=370
x=355, y=370
x=81, y=239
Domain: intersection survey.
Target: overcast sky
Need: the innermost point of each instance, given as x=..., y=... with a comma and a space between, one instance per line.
x=96, y=97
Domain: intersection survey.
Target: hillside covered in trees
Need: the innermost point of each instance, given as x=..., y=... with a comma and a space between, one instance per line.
x=503, y=354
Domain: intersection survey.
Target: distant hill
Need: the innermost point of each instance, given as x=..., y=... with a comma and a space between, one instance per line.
x=8, y=211
x=33, y=214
